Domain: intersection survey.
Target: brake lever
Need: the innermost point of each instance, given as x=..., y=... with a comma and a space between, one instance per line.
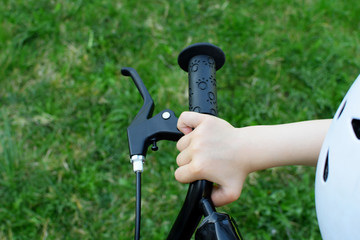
x=146, y=130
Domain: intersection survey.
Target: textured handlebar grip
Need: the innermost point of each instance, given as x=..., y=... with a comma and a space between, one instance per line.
x=202, y=85
x=201, y=60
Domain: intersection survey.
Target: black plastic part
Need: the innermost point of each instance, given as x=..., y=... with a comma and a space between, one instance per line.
x=154, y=146
x=147, y=109
x=143, y=134
x=216, y=226
x=196, y=49
x=201, y=61
x=207, y=207
x=144, y=130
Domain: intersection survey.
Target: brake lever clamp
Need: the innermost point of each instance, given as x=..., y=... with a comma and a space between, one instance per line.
x=146, y=130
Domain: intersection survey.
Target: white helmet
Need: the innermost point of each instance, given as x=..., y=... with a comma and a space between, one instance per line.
x=337, y=184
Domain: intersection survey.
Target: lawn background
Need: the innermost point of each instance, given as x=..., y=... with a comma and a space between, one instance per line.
x=64, y=107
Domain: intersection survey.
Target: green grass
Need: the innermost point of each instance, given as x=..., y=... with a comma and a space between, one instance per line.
x=64, y=107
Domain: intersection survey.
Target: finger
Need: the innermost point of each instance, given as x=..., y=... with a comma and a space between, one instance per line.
x=183, y=142
x=185, y=174
x=188, y=121
x=222, y=196
x=183, y=158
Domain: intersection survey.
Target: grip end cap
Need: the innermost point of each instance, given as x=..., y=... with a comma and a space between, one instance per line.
x=201, y=49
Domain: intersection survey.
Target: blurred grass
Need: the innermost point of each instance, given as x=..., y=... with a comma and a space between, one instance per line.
x=64, y=171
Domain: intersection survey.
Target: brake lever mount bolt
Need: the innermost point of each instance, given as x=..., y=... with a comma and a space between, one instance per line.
x=166, y=115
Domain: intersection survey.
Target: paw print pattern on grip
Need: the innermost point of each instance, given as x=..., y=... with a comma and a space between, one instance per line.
x=202, y=88
x=202, y=83
x=209, y=62
x=194, y=65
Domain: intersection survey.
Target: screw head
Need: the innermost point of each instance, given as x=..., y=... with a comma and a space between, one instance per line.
x=166, y=115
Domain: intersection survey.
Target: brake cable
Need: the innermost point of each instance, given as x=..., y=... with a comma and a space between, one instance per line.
x=137, y=161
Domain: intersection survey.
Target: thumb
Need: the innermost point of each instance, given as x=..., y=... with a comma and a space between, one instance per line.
x=189, y=120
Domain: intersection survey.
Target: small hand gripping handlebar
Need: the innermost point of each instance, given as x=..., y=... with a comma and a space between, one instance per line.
x=201, y=61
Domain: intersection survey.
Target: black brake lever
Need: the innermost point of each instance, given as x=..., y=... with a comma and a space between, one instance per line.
x=146, y=130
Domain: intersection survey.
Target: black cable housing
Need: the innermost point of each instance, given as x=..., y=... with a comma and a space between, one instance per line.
x=138, y=205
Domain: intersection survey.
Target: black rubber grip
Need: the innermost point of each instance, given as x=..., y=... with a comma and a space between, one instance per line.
x=202, y=85
x=201, y=61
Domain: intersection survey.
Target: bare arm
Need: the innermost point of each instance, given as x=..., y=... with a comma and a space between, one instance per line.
x=218, y=152
x=286, y=144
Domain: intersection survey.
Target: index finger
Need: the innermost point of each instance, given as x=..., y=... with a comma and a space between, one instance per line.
x=188, y=121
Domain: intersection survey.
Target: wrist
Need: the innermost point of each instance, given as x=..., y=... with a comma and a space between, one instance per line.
x=246, y=144
x=257, y=148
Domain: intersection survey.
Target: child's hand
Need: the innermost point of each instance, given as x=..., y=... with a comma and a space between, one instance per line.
x=210, y=152
x=214, y=150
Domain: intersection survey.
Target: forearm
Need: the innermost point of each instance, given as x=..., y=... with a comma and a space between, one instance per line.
x=214, y=150
x=285, y=144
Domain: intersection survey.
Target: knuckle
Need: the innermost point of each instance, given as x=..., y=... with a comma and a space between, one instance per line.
x=197, y=167
x=209, y=120
x=196, y=148
x=182, y=115
x=198, y=141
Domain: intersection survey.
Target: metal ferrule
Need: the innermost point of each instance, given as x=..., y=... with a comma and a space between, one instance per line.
x=137, y=162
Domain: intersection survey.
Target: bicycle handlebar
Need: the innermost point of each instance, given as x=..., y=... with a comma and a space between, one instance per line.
x=200, y=60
